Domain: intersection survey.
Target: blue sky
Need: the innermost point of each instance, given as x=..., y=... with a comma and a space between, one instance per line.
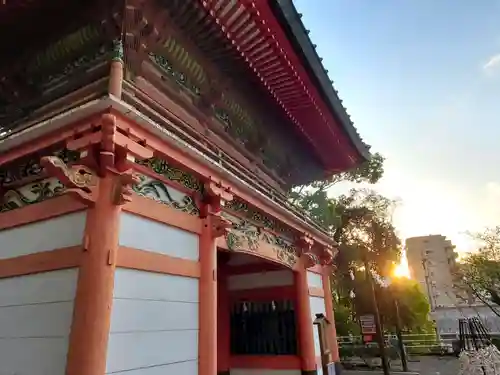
x=421, y=80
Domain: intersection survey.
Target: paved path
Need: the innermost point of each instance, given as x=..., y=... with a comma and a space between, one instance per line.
x=432, y=365
x=423, y=366
x=436, y=366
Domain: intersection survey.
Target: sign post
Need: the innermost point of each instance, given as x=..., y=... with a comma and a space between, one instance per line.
x=368, y=327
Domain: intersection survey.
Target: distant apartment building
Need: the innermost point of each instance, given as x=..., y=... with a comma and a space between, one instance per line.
x=431, y=260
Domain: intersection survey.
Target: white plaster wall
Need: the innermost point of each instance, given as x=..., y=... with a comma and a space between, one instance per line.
x=317, y=307
x=154, y=324
x=145, y=234
x=264, y=372
x=59, y=232
x=260, y=280
x=314, y=280
x=239, y=259
x=35, y=322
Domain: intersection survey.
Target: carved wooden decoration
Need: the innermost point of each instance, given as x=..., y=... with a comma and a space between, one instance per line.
x=328, y=255
x=216, y=195
x=220, y=226
x=305, y=243
x=310, y=259
x=123, y=192
x=79, y=180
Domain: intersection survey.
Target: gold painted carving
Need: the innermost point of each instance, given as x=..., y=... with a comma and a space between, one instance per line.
x=79, y=180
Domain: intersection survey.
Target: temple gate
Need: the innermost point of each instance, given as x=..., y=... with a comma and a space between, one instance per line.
x=146, y=150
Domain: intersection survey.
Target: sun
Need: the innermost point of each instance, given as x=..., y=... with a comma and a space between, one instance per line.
x=402, y=270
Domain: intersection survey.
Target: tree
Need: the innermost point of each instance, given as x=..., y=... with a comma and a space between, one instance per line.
x=413, y=305
x=313, y=198
x=359, y=221
x=479, y=272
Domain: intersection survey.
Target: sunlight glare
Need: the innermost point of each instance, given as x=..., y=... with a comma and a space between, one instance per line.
x=402, y=270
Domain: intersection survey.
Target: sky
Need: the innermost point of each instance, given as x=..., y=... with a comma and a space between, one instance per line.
x=421, y=81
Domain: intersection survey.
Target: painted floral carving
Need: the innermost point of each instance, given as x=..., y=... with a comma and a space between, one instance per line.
x=245, y=236
x=157, y=190
x=30, y=168
x=241, y=207
x=179, y=77
x=31, y=193
x=163, y=168
x=24, y=182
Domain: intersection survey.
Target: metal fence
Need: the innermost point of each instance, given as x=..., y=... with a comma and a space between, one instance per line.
x=415, y=344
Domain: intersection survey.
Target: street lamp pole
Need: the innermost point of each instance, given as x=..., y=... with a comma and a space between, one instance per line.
x=378, y=322
x=404, y=360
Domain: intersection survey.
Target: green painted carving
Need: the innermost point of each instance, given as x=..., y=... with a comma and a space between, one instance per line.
x=29, y=168
x=183, y=61
x=157, y=190
x=68, y=45
x=175, y=174
x=117, y=50
x=31, y=193
x=222, y=116
x=84, y=61
x=241, y=207
x=177, y=64
x=71, y=53
x=246, y=236
x=178, y=77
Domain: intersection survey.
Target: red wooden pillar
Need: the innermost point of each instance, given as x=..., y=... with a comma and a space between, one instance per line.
x=214, y=226
x=208, y=301
x=88, y=341
x=304, y=322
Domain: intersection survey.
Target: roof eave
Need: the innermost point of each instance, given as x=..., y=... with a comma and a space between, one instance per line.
x=309, y=54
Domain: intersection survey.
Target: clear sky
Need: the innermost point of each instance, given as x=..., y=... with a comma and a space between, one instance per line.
x=421, y=80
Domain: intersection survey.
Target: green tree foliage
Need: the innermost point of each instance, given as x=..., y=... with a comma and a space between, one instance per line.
x=360, y=222
x=479, y=272
x=314, y=198
x=413, y=305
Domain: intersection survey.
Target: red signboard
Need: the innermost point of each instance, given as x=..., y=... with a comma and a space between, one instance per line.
x=368, y=326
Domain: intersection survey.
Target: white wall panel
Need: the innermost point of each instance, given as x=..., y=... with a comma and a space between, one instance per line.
x=179, y=368
x=59, y=232
x=154, y=324
x=35, y=322
x=314, y=280
x=134, y=284
x=145, y=234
